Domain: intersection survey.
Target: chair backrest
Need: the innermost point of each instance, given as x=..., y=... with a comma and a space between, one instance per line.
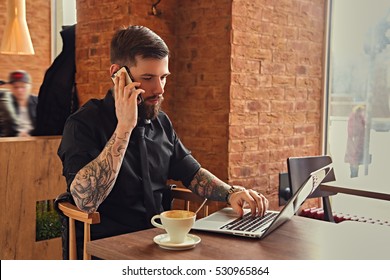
x=299, y=169
x=74, y=214
x=186, y=199
x=69, y=214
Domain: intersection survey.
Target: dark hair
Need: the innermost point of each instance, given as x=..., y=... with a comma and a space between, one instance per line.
x=129, y=42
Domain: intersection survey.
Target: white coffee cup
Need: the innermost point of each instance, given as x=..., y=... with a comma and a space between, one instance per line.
x=177, y=223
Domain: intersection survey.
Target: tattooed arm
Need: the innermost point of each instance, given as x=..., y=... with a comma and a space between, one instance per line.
x=208, y=185
x=95, y=181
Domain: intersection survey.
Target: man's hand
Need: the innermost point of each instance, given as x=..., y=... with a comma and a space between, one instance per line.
x=205, y=184
x=126, y=102
x=257, y=202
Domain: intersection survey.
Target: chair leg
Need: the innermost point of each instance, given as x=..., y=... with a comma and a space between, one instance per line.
x=87, y=238
x=328, y=214
x=72, y=240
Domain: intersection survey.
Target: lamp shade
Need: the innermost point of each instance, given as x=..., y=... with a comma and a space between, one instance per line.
x=16, y=37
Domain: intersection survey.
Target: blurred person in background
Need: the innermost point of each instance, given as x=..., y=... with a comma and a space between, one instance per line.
x=18, y=107
x=7, y=117
x=354, y=154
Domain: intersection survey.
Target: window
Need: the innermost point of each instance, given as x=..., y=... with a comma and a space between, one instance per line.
x=63, y=13
x=358, y=91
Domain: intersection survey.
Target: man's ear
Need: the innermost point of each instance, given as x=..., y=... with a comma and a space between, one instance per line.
x=114, y=68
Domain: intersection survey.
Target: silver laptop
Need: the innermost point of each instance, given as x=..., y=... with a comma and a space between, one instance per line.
x=226, y=220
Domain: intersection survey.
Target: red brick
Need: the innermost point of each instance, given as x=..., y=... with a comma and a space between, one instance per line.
x=256, y=157
x=246, y=38
x=283, y=80
x=241, y=119
x=273, y=68
x=290, y=57
x=251, y=52
x=243, y=145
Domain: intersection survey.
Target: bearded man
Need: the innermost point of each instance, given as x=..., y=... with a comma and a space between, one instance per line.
x=104, y=142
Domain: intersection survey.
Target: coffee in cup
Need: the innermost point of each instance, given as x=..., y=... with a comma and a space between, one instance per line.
x=177, y=223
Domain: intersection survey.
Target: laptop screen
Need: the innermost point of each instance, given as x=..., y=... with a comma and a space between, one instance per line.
x=307, y=188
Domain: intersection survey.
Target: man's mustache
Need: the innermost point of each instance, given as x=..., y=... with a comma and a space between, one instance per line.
x=158, y=97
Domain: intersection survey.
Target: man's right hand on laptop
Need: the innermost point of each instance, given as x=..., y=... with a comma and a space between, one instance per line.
x=239, y=197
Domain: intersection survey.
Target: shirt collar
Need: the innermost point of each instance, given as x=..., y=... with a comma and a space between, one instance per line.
x=146, y=121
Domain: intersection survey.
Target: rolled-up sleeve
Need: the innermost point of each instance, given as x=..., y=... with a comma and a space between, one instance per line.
x=183, y=165
x=77, y=148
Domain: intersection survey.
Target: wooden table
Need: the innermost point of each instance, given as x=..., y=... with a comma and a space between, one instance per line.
x=355, y=188
x=299, y=238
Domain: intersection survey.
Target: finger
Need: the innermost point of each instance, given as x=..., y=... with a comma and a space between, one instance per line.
x=260, y=199
x=132, y=87
x=247, y=197
x=135, y=93
x=120, y=87
x=237, y=208
x=122, y=84
x=236, y=203
x=265, y=201
x=262, y=202
x=261, y=206
x=140, y=99
x=253, y=205
x=116, y=88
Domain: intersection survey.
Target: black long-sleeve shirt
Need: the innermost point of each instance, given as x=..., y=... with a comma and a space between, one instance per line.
x=85, y=135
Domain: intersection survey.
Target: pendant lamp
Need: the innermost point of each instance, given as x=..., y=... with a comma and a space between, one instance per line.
x=16, y=37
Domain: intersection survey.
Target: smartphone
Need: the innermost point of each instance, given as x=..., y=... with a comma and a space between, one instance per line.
x=128, y=80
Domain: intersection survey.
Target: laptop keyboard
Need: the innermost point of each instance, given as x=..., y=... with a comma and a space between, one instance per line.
x=249, y=223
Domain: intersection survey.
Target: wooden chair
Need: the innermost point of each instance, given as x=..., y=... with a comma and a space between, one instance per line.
x=70, y=214
x=74, y=214
x=189, y=200
x=299, y=169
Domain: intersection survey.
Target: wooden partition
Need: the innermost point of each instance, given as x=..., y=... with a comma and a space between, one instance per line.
x=30, y=171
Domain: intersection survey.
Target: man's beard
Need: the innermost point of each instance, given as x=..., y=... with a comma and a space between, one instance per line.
x=150, y=111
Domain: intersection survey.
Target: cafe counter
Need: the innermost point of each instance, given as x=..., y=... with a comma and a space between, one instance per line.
x=30, y=179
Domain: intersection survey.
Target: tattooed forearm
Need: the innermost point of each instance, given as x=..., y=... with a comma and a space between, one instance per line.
x=94, y=181
x=117, y=145
x=208, y=185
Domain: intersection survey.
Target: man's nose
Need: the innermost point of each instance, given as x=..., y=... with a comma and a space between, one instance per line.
x=158, y=87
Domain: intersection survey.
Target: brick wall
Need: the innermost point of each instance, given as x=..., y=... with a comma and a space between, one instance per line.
x=202, y=94
x=276, y=88
x=38, y=20
x=245, y=90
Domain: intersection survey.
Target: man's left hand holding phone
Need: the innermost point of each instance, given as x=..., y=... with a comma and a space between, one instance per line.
x=127, y=96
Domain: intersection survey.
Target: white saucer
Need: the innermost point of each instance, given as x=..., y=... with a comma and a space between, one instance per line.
x=163, y=241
